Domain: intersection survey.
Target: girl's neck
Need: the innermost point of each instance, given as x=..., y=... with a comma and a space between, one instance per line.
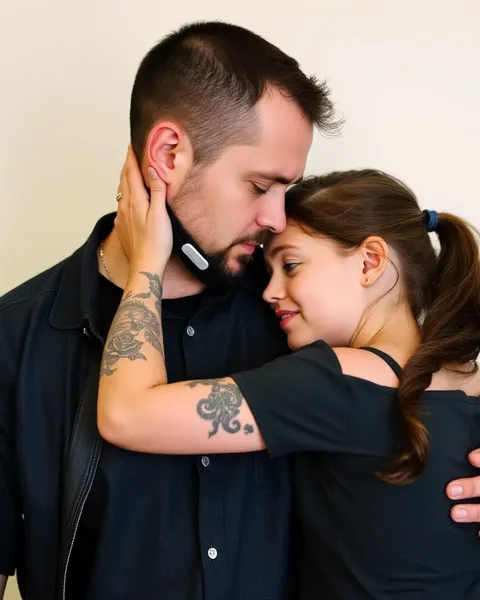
x=395, y=331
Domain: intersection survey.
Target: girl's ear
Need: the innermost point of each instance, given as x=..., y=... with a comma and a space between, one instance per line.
x=375, y=254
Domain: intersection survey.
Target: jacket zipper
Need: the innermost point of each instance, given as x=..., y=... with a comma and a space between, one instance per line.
x=86, y=489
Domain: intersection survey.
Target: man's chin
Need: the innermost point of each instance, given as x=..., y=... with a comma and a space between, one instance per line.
x=235, y=267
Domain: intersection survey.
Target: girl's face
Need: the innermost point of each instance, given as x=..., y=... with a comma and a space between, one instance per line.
x=317, y=289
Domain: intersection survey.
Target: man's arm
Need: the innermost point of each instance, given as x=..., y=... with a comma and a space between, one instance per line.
x=3, y=585
x=466, y=489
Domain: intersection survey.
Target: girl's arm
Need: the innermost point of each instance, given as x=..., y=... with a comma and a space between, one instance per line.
x=139, y=410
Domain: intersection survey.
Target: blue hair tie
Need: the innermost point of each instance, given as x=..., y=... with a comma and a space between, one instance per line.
x=430, y=218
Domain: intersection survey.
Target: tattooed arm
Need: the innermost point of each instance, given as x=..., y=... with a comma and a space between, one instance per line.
x=135, y=318
x=139, y=410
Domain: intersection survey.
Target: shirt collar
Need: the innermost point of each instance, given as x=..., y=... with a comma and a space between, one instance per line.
x=77, y=298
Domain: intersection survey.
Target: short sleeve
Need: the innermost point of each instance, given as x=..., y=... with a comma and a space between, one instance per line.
x=10, y=512
x=300, y=401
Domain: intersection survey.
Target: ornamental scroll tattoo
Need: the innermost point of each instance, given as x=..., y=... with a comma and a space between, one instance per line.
x=221, y=406
x=131, y=319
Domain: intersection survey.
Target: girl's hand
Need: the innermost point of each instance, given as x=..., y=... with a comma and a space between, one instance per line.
x=142, y=223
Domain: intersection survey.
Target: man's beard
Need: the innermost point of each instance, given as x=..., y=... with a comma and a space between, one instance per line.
x=188, y=192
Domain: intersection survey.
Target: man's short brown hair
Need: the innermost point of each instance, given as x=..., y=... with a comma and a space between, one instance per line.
x=208, y=77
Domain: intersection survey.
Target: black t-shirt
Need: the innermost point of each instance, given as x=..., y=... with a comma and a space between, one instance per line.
x=360, y=537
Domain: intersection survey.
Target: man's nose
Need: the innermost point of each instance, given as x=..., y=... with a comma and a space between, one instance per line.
x=272, y=214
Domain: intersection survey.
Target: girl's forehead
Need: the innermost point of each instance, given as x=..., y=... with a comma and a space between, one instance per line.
x=293, y=235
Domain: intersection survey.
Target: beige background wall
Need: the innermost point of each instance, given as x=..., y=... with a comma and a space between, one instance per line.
x=405, y=74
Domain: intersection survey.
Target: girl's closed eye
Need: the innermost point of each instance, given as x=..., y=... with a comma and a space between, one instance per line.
x=288, y=267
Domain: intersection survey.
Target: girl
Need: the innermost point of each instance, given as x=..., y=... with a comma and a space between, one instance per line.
x=378, y=403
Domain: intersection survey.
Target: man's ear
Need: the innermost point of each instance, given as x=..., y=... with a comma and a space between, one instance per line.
x=169, y=151
x=375, y=255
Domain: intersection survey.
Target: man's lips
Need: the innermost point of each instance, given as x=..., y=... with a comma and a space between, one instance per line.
x=249, y=247
x=286, y=316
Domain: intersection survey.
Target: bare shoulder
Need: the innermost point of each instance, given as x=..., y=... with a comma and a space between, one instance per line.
x=365, y=365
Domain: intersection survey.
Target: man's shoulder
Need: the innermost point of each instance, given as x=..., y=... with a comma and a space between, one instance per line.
x=38, y=289
x=22, y=309
x=43, y=288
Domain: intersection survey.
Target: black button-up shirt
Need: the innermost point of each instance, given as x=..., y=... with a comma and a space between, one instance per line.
x=175, y=527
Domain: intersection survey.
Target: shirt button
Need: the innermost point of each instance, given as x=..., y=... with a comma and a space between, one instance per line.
x=205, y=461
x=212, y=553
x=190, y=331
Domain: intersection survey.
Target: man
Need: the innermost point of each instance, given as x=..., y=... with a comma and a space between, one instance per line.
x=227, y=120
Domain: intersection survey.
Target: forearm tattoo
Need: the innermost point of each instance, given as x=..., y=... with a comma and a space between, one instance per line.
x=221, y=406
x=134, y=317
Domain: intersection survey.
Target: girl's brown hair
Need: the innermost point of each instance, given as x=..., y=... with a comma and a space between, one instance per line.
x=443, y=289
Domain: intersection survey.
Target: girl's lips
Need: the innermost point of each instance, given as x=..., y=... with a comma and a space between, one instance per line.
x=286, y=317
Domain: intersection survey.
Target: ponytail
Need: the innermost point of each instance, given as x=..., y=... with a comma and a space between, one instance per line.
x=450, y=335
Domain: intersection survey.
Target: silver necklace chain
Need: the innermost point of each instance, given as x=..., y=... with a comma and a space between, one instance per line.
x=104, y=262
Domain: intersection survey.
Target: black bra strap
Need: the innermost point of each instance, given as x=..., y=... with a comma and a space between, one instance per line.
x=396, y=368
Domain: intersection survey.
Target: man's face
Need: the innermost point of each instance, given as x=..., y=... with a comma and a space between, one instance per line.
x=229, y=207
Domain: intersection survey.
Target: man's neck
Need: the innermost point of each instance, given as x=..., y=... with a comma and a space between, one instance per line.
x=178, y=282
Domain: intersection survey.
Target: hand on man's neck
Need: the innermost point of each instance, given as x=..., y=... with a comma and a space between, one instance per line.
x=178, y=282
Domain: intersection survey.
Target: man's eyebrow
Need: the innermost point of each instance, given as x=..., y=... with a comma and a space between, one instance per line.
x=276, y=177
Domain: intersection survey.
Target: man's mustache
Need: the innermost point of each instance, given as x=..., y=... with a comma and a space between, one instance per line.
x=261, y=238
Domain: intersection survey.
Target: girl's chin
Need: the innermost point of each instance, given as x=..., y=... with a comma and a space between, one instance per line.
x=294, y=343
x=298, y=339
